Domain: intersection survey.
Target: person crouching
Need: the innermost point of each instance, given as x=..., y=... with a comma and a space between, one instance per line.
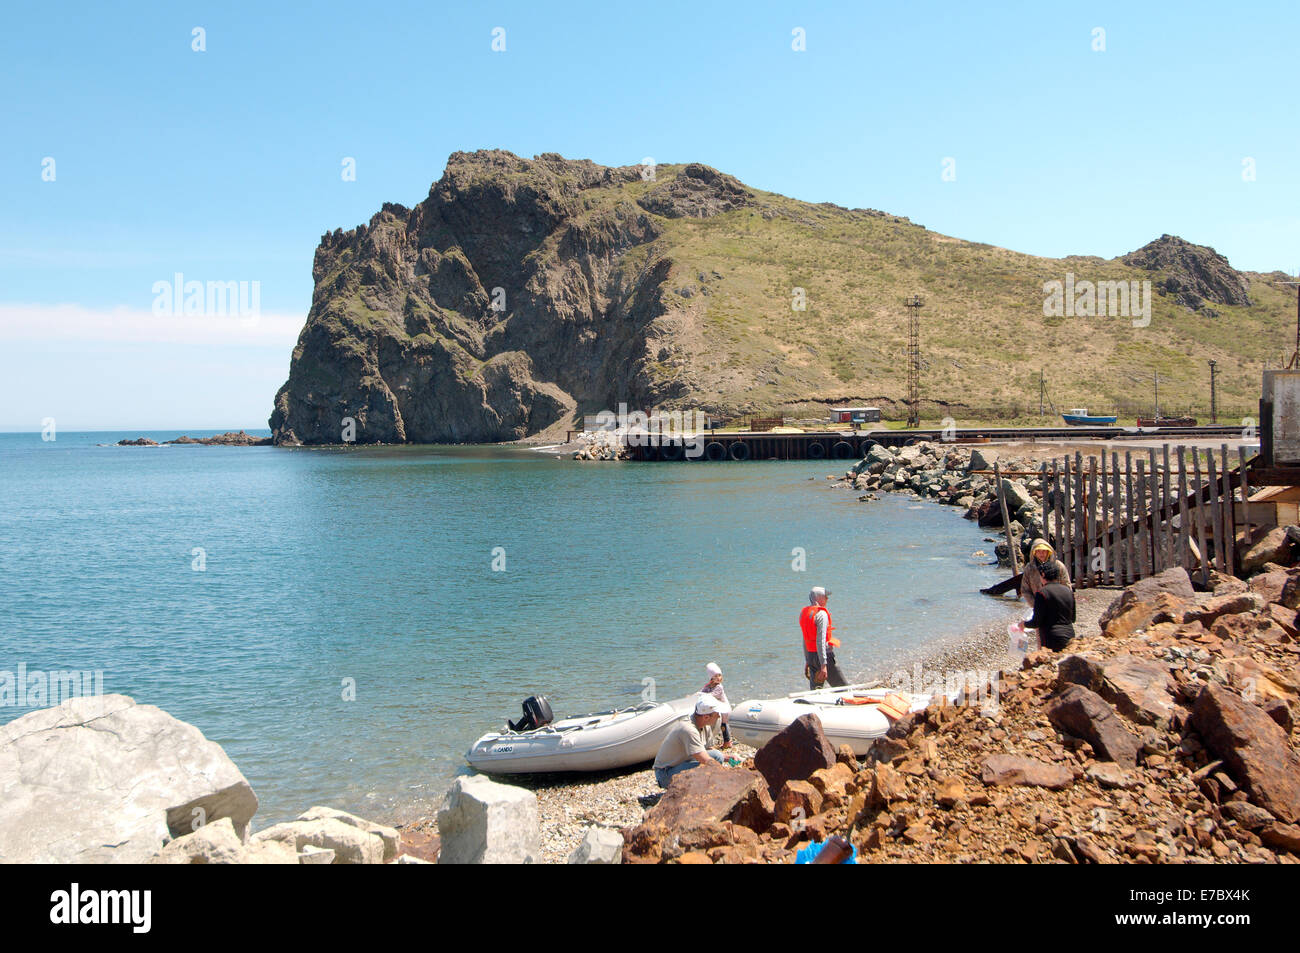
x=1053, y=610
x=685, y=748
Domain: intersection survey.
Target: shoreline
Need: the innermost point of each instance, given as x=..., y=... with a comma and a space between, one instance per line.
x=569, y=804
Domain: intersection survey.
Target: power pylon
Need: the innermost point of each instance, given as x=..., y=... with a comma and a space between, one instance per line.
x=913, y=305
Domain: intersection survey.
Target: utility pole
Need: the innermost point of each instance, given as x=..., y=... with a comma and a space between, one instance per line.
x=1040, y=392
x=913, y=305
x=1214, y=403
x=1157, y=398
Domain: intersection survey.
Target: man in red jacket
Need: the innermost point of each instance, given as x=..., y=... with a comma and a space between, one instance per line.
x=818, y=642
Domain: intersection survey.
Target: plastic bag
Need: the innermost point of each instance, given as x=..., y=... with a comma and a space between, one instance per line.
x=1021, y=641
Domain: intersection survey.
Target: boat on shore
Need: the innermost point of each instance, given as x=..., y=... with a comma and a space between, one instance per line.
x=599, y=741
x=1079, y=417
x=855, y=715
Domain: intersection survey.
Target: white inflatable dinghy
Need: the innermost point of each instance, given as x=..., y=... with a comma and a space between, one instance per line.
x=596, y=742
x=857, y=725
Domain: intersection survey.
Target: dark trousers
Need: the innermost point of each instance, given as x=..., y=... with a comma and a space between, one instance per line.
x=834, y=677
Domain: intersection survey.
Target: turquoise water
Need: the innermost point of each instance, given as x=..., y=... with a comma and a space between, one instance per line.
x=376, y=565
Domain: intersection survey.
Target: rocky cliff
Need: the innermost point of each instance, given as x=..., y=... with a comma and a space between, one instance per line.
x=522, y=293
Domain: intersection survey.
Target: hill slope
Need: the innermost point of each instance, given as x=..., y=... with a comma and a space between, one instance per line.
x=522, y=292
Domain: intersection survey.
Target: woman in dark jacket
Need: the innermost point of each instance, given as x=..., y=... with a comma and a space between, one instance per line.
x=1053, y=610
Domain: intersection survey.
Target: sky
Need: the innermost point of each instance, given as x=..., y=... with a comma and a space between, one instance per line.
x=128, y=156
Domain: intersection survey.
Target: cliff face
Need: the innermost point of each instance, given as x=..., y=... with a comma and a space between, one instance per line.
x=521, y=293
x=516, y=294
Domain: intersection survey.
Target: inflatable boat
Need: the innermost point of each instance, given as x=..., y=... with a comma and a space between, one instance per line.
x=855, y=715
x=596, y=742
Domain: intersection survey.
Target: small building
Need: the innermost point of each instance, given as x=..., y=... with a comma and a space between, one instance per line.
x=855, y=415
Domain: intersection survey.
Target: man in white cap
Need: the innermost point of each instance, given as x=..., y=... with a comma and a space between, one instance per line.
x=685, y=748
x=818, y=642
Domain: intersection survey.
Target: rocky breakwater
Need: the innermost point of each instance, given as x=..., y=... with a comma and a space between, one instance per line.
x=600, y=445
x=1166, y=734
x=105, y=780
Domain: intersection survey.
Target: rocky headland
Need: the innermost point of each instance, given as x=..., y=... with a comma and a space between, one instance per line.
x=521, y=294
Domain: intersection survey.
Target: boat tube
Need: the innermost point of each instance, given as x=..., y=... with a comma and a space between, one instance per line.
x=599, y=741
x=852, y=715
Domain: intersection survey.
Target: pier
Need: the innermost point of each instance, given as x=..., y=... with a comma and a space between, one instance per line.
x=720, y=446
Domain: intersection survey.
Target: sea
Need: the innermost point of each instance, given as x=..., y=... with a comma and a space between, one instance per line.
x=345, y=622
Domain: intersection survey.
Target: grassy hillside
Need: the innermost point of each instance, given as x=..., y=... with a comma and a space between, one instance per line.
x=984, y=337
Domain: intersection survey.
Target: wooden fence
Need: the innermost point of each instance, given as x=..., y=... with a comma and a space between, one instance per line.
x=1114, y=522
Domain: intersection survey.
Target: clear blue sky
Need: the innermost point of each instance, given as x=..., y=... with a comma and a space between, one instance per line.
x=225, y=164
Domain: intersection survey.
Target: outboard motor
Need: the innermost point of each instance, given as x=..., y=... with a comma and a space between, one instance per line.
x=537, y=712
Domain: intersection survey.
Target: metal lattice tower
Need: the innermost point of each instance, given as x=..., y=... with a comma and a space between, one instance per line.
x=913, y=305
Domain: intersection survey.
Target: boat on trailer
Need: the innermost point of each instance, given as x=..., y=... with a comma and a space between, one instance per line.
x=1079, y=417
x=855, y=715
x=600, y=741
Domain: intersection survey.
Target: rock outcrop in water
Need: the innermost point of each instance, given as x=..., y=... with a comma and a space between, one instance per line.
x=521, y=294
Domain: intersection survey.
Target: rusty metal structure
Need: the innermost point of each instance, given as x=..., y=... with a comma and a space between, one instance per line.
x=913, y=305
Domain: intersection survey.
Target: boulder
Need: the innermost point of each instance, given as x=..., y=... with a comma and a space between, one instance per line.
x=794, y=753
x=1283, y=618
x=351, y=845
x=1248, y=628
x=1012, y=769
x=1142, y=691
x=1078, y=670
x=1281, y=836
x=600, y=845
x=215, y=843
x=310, y=855
x=1249, y=816
x=1228, y=604
x=703, y=794
x=389, y=835
x=1290, y=596
x=1135, y=615
x=1253, y=748
x=104, y=780
x=1018, y=498
x=887, y=786
x=797, y=802
x=1173, y=581
x=1257, y=682
x=981, y=460
x=1269, y=585
x=484, y=822
x=987, y=514
x=1083, y=713
x=1273, y=547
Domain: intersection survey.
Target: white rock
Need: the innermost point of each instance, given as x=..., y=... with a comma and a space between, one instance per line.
x=389, y=835
x=350, y=844
x=409, y=859
x=215, y=843
x=483, y=822
x=104, y=780
x=313, y=855
x=599, y=845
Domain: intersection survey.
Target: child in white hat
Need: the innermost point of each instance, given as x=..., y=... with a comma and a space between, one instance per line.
x=714, y=688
